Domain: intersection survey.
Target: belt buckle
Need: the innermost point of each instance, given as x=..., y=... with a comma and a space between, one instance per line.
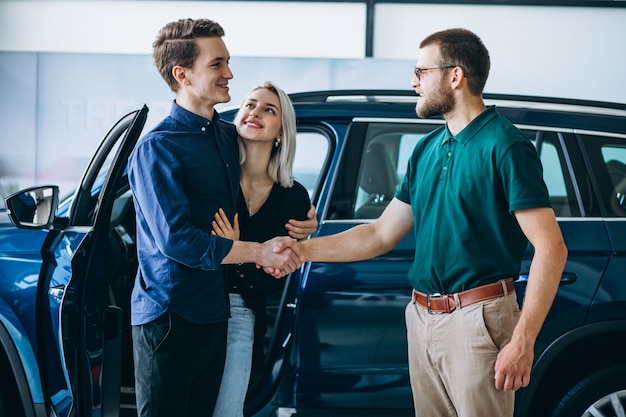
x=428, y=297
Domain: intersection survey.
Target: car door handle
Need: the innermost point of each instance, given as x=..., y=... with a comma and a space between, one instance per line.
x=57, y=292
x=566, y=278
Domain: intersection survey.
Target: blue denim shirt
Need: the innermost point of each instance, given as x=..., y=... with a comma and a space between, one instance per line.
x=180, y=173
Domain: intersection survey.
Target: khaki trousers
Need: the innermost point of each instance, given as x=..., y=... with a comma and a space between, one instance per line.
x=452, y=358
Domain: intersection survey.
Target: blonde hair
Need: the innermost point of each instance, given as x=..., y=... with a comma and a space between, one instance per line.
x=280, y=167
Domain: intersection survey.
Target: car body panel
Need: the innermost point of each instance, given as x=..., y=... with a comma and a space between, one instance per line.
x=338, y=336
x=69, y=334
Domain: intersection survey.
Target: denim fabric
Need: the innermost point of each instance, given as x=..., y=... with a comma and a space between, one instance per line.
x=238, y=360
x=178, y=366
x=180, y=173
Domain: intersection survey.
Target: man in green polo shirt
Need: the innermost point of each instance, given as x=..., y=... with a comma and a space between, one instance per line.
x=474, y=197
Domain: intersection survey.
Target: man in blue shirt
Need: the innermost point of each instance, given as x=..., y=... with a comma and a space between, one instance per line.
x=474, y=197
x=181, y=172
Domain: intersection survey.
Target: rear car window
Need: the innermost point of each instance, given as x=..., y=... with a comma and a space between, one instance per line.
x=614, y=157
x=375, y=162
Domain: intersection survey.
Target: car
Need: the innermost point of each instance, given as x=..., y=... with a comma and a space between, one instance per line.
x=337, y=340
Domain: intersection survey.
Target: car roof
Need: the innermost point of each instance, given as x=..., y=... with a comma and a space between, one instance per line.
x=527, y=110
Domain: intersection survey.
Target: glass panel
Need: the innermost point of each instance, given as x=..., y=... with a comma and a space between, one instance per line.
x=555, y=175
x=552, y=171
x=615, y=159
x=104, y=169
x=383, y=164
x=311, y=152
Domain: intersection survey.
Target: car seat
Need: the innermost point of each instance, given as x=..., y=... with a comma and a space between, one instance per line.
x=378, y=180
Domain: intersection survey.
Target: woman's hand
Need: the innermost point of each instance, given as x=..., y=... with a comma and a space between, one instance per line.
x=223, y=228
x=301, y=229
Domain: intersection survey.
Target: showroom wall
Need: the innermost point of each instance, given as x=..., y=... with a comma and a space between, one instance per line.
x=69, y=69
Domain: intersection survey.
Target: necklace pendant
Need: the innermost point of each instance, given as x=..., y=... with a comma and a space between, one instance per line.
x=249, y=204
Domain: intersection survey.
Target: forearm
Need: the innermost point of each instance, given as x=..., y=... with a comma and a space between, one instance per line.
x=244, y=252
x=359, y=243
x=543, y=282
x=364, y=241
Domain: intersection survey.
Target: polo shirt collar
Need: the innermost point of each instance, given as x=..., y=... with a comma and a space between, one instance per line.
x=192, y=120
x=475, y=126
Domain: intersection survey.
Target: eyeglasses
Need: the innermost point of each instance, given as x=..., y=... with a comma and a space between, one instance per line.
x=418, y=71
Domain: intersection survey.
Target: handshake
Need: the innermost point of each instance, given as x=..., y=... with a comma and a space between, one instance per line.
x=281, y=256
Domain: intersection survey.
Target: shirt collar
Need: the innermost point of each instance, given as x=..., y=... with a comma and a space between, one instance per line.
x=192, y=120
x=473, y=127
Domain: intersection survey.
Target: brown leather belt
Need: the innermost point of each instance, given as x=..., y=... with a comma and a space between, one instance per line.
x=447, y=303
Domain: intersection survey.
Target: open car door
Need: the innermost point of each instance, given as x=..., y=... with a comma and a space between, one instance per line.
x=81, y=370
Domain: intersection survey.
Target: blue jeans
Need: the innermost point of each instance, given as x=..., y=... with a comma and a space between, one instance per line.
x=178, y=366
x=238, y=360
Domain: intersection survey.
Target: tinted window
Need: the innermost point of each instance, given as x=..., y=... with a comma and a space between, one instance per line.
x=556, y=175
x=373, y=167
x=375, y=161
x=614, y=157
x=311, y=154
x=607, y=157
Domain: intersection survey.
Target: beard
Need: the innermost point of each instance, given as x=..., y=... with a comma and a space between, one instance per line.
x=438, y=103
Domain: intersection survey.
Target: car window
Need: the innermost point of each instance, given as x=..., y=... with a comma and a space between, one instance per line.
x=614, y=157
x=366, y=183
x=373, y=166
x=606, y=154
x=105, y=168
x=383, y=166
x=555, y=173
x=120, y=138
x=311, y=154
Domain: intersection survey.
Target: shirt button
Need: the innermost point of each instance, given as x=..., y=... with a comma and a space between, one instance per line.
x=445, y=168
x=241, y=275
x=203, y=129
x=449, y=153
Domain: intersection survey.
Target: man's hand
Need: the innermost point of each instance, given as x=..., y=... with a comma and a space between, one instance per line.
x=513, y=366
x=301, y=229
x=282, y=256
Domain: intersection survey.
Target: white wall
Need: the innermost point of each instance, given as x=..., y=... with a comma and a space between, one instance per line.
x=570, y=52
x=574, y=52
x=252, y=28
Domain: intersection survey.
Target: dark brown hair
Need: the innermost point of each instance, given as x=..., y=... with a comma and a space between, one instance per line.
x=175, y=45
x=463, y=48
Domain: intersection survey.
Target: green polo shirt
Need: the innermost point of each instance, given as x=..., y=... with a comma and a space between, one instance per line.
x=463, y=191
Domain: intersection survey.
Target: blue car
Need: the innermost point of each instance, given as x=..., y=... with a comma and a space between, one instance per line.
x=337, y=340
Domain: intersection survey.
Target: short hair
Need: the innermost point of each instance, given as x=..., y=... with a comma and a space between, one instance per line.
x=463, y=48
x=175, y=45
x=280, y=168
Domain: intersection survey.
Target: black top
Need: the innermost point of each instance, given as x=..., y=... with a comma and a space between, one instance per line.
x=183, y=169
x=254, y=284
x=281, y=205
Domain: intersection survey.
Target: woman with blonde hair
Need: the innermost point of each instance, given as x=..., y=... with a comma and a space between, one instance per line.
x=271, y=203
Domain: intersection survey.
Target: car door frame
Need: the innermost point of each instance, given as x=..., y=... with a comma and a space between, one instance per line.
x=85, y=319
x=377, y=386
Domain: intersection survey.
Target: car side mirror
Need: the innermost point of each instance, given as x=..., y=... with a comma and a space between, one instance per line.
x=33, y=208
